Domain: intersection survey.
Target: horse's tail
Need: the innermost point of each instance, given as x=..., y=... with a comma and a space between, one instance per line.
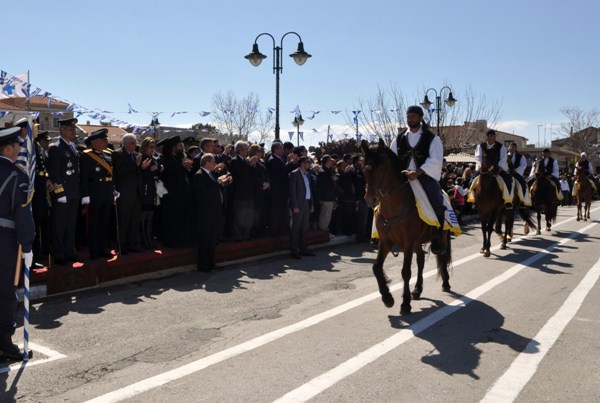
x=525, y=213
x=444, y=259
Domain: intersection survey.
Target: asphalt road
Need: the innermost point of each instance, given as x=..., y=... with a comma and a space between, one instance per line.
x=521, y=326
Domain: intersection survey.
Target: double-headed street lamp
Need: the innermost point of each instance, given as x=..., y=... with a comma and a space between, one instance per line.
x=298, y=121
x=255, y=58
x=450, y=101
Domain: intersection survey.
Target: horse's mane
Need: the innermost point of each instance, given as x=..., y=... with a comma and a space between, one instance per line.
x=392, y=158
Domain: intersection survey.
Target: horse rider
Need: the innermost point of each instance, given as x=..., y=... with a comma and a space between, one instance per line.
x=421, y=154
x=517, y=163
x=495, y=154
x=550, y=170
x=583, y=166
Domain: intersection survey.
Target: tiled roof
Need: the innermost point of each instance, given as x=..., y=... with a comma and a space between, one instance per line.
x=5, y=106
x=36, y=102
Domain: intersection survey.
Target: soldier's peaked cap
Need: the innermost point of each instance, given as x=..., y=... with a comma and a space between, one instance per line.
x=9, y=136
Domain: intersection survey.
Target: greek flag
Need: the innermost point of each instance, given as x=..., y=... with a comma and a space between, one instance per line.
x=26, y=157
x=14, y=86
x=453, y=218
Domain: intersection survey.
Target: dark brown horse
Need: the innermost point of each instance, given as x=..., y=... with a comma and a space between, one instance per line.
x=398, y=223
x=543, y=197
x=488, y=198
x=584, y=195
x=492, y=209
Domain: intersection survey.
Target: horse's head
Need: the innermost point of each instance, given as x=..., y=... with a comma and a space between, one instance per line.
x=538, y=169
x=379, y=169
x=487, y=168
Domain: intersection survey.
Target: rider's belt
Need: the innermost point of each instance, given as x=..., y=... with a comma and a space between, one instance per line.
x=5, y=223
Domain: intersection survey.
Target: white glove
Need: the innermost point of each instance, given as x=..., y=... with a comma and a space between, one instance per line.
x=85, y=200
x=62, y=199
x=28, y=257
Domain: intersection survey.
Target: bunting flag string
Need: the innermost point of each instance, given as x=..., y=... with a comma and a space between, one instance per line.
x=13, y=86
x=291, y=134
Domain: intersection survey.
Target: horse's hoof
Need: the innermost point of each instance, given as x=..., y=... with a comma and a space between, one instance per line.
x=578, y=219
x=405, y=309
x=446, y=287
x=388, y=300
x=500, y=237
x=526, y=229
x=482, y=250
x=486, y=253
x=539, y=232
x=416, y=295
x=548, y=229
x=509, y=238
x=503, y=246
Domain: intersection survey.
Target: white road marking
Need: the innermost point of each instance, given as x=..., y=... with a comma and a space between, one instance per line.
x=50, y=354
x=508, y=387
x=331, y=377
x=198, y=365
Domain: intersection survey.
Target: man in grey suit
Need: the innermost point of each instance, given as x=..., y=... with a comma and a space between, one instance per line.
x=301, y=204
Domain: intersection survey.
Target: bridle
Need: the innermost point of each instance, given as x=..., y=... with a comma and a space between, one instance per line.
x=388, y=192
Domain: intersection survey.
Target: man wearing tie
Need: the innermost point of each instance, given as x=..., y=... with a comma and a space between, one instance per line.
x=208, y=204
x=301, y=204
x=63, y=172
x=128, y=168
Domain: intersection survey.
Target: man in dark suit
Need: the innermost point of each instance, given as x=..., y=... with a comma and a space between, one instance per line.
x=16, y=228
x=128, y=182
x=97, y=191
x=63, y=172
x=208, y=205
x=243, y=173
x=301, y=204
x=278, y=176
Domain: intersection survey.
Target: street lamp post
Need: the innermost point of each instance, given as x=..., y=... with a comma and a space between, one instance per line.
x=450, y=101
x=298, y=121
x=155, y=124
x=255, y=58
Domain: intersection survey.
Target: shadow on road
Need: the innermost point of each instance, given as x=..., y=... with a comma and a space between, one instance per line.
x=456, y=338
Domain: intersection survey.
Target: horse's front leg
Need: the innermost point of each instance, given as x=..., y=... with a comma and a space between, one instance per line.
x=509, y=222
x=578, y=211
x=405, y=307
x=588, y=206
x=539, y=219
x=418, y=290
x=382, y=279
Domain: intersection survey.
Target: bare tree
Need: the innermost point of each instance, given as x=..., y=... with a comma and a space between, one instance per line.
x=264, y=125
x=380, y=115
x=460, y=126
x=235, y=116
x=581, y=130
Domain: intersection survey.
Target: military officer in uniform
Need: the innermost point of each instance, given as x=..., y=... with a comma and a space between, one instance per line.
x=16, y=228
x=40, y=204
x=97, y=190
x=63, y=172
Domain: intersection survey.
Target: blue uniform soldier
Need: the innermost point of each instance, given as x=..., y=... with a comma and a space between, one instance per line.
x=63, y=172
x=16, y=228
x=97, y=191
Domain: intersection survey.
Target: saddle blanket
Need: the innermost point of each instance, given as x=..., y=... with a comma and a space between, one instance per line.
x=426, y=213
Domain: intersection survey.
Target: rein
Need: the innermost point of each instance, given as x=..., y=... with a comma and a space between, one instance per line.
x=400, y=217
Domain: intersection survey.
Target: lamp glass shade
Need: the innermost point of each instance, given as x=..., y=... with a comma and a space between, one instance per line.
x=450, y=101
x=426, y=104
x=300, y=56
x=255, y=57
